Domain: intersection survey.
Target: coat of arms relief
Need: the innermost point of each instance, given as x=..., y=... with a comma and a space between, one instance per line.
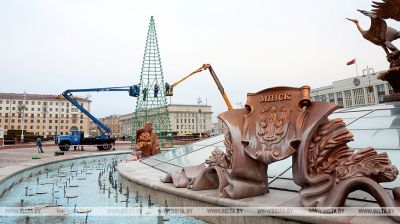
x=273, y=124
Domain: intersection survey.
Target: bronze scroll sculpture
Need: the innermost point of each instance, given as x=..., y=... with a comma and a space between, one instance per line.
x=382, y=35
x=146, y=142
x=281, y=122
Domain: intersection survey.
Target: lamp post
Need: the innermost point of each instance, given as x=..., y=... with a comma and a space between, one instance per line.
x=44, y=111
x=197, y=120
x=367, y=72
x=316, y=96
x=21, y=109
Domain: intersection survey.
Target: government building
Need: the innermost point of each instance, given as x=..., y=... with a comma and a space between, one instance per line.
x=185, y=119
x=46, y=115
x=354, y=92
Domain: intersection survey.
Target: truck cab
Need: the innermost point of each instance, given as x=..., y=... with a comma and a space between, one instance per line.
x=74, y=138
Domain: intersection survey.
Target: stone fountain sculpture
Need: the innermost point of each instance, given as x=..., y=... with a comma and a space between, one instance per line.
x=146, y=142
x=281, y=122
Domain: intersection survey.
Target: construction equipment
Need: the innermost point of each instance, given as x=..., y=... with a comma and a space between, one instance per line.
x=76, y=137
x=170, y=90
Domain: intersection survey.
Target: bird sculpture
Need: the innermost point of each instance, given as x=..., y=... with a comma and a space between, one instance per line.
x=388, y=9
x=379, y=33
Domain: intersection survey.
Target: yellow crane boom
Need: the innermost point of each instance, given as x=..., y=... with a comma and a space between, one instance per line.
x=213, y=75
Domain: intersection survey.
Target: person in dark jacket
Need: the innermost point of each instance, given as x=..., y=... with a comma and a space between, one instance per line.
x=39, y=145
x=144, y=94
x=167, y=86
x=156, y=89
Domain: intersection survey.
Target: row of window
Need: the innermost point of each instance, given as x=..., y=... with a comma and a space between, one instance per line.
x=190, y=115
x=186, y=121
x=35, y=103
x=39, y=109
x=31, y=128
x=38, y=115
x=44, y=121
x=345, y=98
x=190, y=126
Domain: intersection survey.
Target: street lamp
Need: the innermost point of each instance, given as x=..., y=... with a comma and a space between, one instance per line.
x=199, y=101
x=367, y=72
x=21, y=109
x=240, y=104
x=316, y=96
x=44, y=111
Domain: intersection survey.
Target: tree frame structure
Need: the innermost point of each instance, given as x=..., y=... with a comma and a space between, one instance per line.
x=151, y=105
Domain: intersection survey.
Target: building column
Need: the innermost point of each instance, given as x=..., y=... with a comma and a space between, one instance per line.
x=335, y=98
x=365, y=91
x=353, y=102
x=386, y=89
x=376, y=94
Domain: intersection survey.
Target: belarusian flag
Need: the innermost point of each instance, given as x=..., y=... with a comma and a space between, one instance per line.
x=351, y=62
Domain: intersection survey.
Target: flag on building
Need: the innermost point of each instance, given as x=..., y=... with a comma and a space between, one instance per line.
x=351, y=62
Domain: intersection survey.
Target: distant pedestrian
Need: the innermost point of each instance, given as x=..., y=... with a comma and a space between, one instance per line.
x=156, y=89
x=39, y=145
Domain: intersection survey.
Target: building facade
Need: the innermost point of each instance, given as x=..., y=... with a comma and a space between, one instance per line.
x=112, y=122
x=46, y=115
x=190, y=119
x=353, y=92
x=125, y=125
x=185, y=120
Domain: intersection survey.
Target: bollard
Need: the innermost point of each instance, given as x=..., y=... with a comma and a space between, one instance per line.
x=149, y=202
x=166, y=210
x=137, y=196
x=160, y=219
x=141, y=207
x=86, y=218
x=126, y=200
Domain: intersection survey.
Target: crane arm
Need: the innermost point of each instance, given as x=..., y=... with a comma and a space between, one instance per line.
x=219, y=85
x=215, y=78
x=202, y=68
x=67, y=94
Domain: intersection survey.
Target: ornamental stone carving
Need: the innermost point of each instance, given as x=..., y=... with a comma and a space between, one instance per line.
x=146, y=142
x=281, y=122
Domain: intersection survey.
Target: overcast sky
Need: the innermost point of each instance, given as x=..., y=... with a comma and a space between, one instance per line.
x=49, y=46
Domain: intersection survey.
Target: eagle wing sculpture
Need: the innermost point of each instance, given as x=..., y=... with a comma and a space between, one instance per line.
x=378, y=25
x=387, y=9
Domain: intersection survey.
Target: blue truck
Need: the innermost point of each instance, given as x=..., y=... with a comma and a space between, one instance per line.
x=76, y=137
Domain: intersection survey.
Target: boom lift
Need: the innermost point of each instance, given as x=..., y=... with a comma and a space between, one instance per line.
x=77, y=137
x=170, y=90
